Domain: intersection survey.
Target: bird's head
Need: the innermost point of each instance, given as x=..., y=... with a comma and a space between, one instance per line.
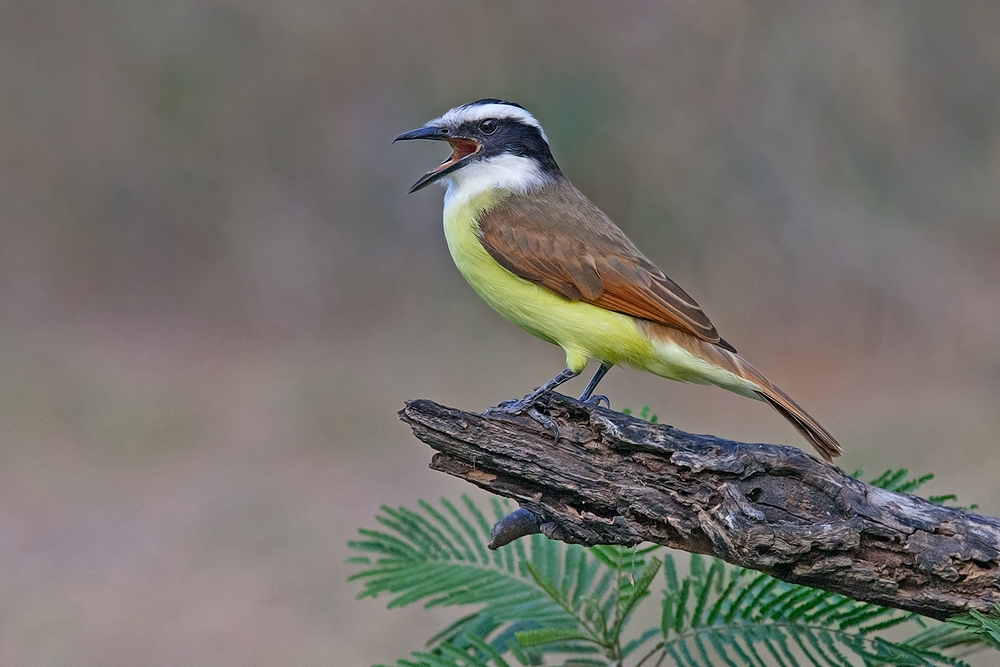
x=493, y=142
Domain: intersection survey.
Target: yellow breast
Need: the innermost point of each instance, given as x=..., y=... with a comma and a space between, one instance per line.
x=582, y=330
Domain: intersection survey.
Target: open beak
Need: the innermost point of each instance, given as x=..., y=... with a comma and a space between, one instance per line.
x=461, y=148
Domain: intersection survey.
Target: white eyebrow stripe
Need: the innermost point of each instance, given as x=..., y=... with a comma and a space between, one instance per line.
x=464, y=114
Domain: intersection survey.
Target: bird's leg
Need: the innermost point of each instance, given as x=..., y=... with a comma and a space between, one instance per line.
x=595, y=401
x=519, y=405
x=526, y=404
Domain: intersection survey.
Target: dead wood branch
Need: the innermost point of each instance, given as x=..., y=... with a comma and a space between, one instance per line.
x=614, y=479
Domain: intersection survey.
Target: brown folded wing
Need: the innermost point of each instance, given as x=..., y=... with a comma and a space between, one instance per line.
x=560, y=240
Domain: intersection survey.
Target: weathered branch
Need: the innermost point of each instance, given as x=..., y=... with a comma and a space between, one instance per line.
x=613, y=479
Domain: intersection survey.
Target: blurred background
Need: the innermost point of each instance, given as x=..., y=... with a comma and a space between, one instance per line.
x=215, y=293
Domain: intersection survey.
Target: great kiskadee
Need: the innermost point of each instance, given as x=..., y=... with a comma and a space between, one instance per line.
x=551, y=262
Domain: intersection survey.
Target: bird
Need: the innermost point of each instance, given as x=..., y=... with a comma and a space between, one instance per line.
x=549, y=260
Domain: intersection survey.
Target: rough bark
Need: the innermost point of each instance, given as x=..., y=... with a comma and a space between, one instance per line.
x=613, y=479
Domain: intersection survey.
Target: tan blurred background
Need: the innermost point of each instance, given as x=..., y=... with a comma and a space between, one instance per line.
x=215, y=293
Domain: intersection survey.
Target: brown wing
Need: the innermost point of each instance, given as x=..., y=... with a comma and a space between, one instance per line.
x=560, y=240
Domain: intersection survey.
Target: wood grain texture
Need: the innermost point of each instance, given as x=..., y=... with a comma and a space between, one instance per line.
x=613, y=479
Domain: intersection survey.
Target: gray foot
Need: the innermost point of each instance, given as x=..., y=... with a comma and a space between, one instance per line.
x=545, y=421
x=595, y=401
x=526, y=407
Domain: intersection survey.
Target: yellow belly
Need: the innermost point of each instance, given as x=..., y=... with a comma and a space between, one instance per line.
x=582, y=330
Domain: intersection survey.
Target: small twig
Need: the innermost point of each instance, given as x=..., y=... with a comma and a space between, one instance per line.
x=517, y=524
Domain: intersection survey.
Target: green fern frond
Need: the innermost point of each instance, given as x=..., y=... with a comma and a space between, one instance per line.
x=537, y=599
x=757, y=620
x=636, y=589
x=645, y=413
x=548, y=636
x=954, y=638
x=897, y=480
x=471, y=652
x=435, y=556
x=981, y=625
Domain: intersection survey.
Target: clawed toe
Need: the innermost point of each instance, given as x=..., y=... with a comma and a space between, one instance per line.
x=545, y=421
x=514, y=406
x=595, y=401
x=525, y=406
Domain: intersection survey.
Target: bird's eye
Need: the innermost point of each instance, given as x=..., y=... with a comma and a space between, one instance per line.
x=489, y=126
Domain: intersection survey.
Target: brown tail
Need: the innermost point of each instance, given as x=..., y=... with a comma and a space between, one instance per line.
x=808, y=428
x=723, y=357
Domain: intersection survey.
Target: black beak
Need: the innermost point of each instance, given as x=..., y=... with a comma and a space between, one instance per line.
x=461, y=147
x=422, y=133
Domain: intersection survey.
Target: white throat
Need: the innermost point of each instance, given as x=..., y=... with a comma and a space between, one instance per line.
x=508, y=172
